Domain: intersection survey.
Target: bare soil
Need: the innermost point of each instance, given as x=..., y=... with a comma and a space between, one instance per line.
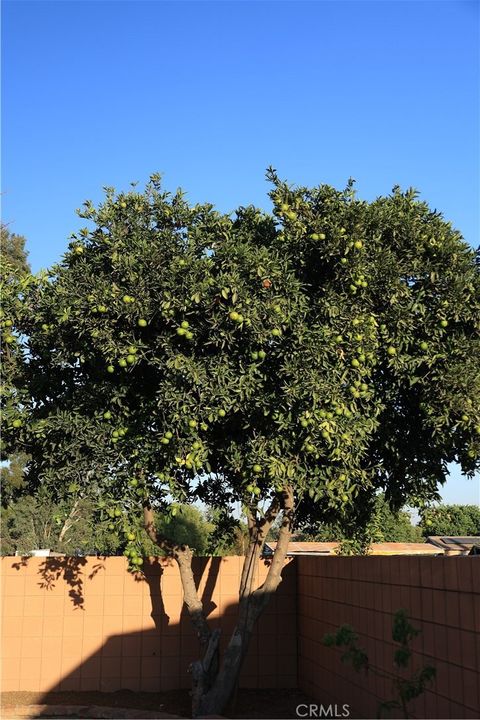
x=249, y=704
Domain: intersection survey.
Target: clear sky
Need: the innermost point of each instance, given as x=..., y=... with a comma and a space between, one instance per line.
x=211, y=93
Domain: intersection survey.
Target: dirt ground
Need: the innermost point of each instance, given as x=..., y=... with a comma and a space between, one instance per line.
x=250, y=704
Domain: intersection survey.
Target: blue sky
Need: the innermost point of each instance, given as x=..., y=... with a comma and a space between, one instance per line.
x=211, y=93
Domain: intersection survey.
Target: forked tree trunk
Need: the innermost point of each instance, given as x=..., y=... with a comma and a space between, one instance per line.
x=214, y=685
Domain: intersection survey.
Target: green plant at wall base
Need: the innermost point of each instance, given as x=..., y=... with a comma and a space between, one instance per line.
x=406, y=688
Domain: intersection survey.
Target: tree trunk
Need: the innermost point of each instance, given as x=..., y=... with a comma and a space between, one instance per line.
x=212, y=688
x=252, y=604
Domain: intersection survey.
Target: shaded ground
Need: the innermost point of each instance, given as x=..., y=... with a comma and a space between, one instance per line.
x=250, y=704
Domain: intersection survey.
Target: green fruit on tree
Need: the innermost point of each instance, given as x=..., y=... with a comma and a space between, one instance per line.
x=181, y=331
x=257, y=468
x=17, y=423
x=221, y=413
x=254, y=355
x=355, y=363
x=285, y=207
x=424, y=345
x=358, y=244
x=122, y=362
x=188, y=335
x=196, y=445
x=111, y=526
x=165, y=441
x=142, y=322
x=169, y=435
x=126, y=299
x=428, y=522
x=465, y=418
x=291, y=215
x=117, y=512
x=256, y=491
x=107, y=415
x=130, y=537
x=137, y=560
x=184, y=324
x=344, y=260
x=130, y=359
x=322, y=236
x=134, y=482
x=443, y=323
x=304, y=423
x=315, y=236
x=276, y=332
x=110, y=369
x=249, y=488
x=344, y=497
x=132, y=349
x=233, y=315
x=8, y=323
x=262, y=354
x=9, y=339
x=192, y=423
x=391, y=351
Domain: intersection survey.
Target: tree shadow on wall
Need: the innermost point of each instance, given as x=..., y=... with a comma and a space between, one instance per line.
x=154, y=657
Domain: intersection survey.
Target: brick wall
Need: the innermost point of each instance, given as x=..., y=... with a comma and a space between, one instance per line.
x=88, y=624
x=440, y=594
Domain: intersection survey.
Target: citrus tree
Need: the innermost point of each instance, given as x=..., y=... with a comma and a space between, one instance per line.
x=297, y=361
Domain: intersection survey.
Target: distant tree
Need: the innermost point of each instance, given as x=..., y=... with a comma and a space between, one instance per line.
x=460, y=520
x=33, y=522
x=12, y=250
x=186, y=525
x=385, y=525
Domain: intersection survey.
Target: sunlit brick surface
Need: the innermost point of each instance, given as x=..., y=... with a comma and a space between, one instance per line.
x=88, y=624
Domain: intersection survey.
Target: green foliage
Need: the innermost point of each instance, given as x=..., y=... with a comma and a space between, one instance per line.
x=332, y=346
x=460, y=520
x=70, y=527
x=187, y=527
x=385, y=525
x=12, y=251
x=406, y=688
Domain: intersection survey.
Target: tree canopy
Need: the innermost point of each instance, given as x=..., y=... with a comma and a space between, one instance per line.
x=297, y=362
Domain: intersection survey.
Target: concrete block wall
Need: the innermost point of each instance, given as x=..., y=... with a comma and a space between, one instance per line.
x=442, y=597
x=89, y=624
